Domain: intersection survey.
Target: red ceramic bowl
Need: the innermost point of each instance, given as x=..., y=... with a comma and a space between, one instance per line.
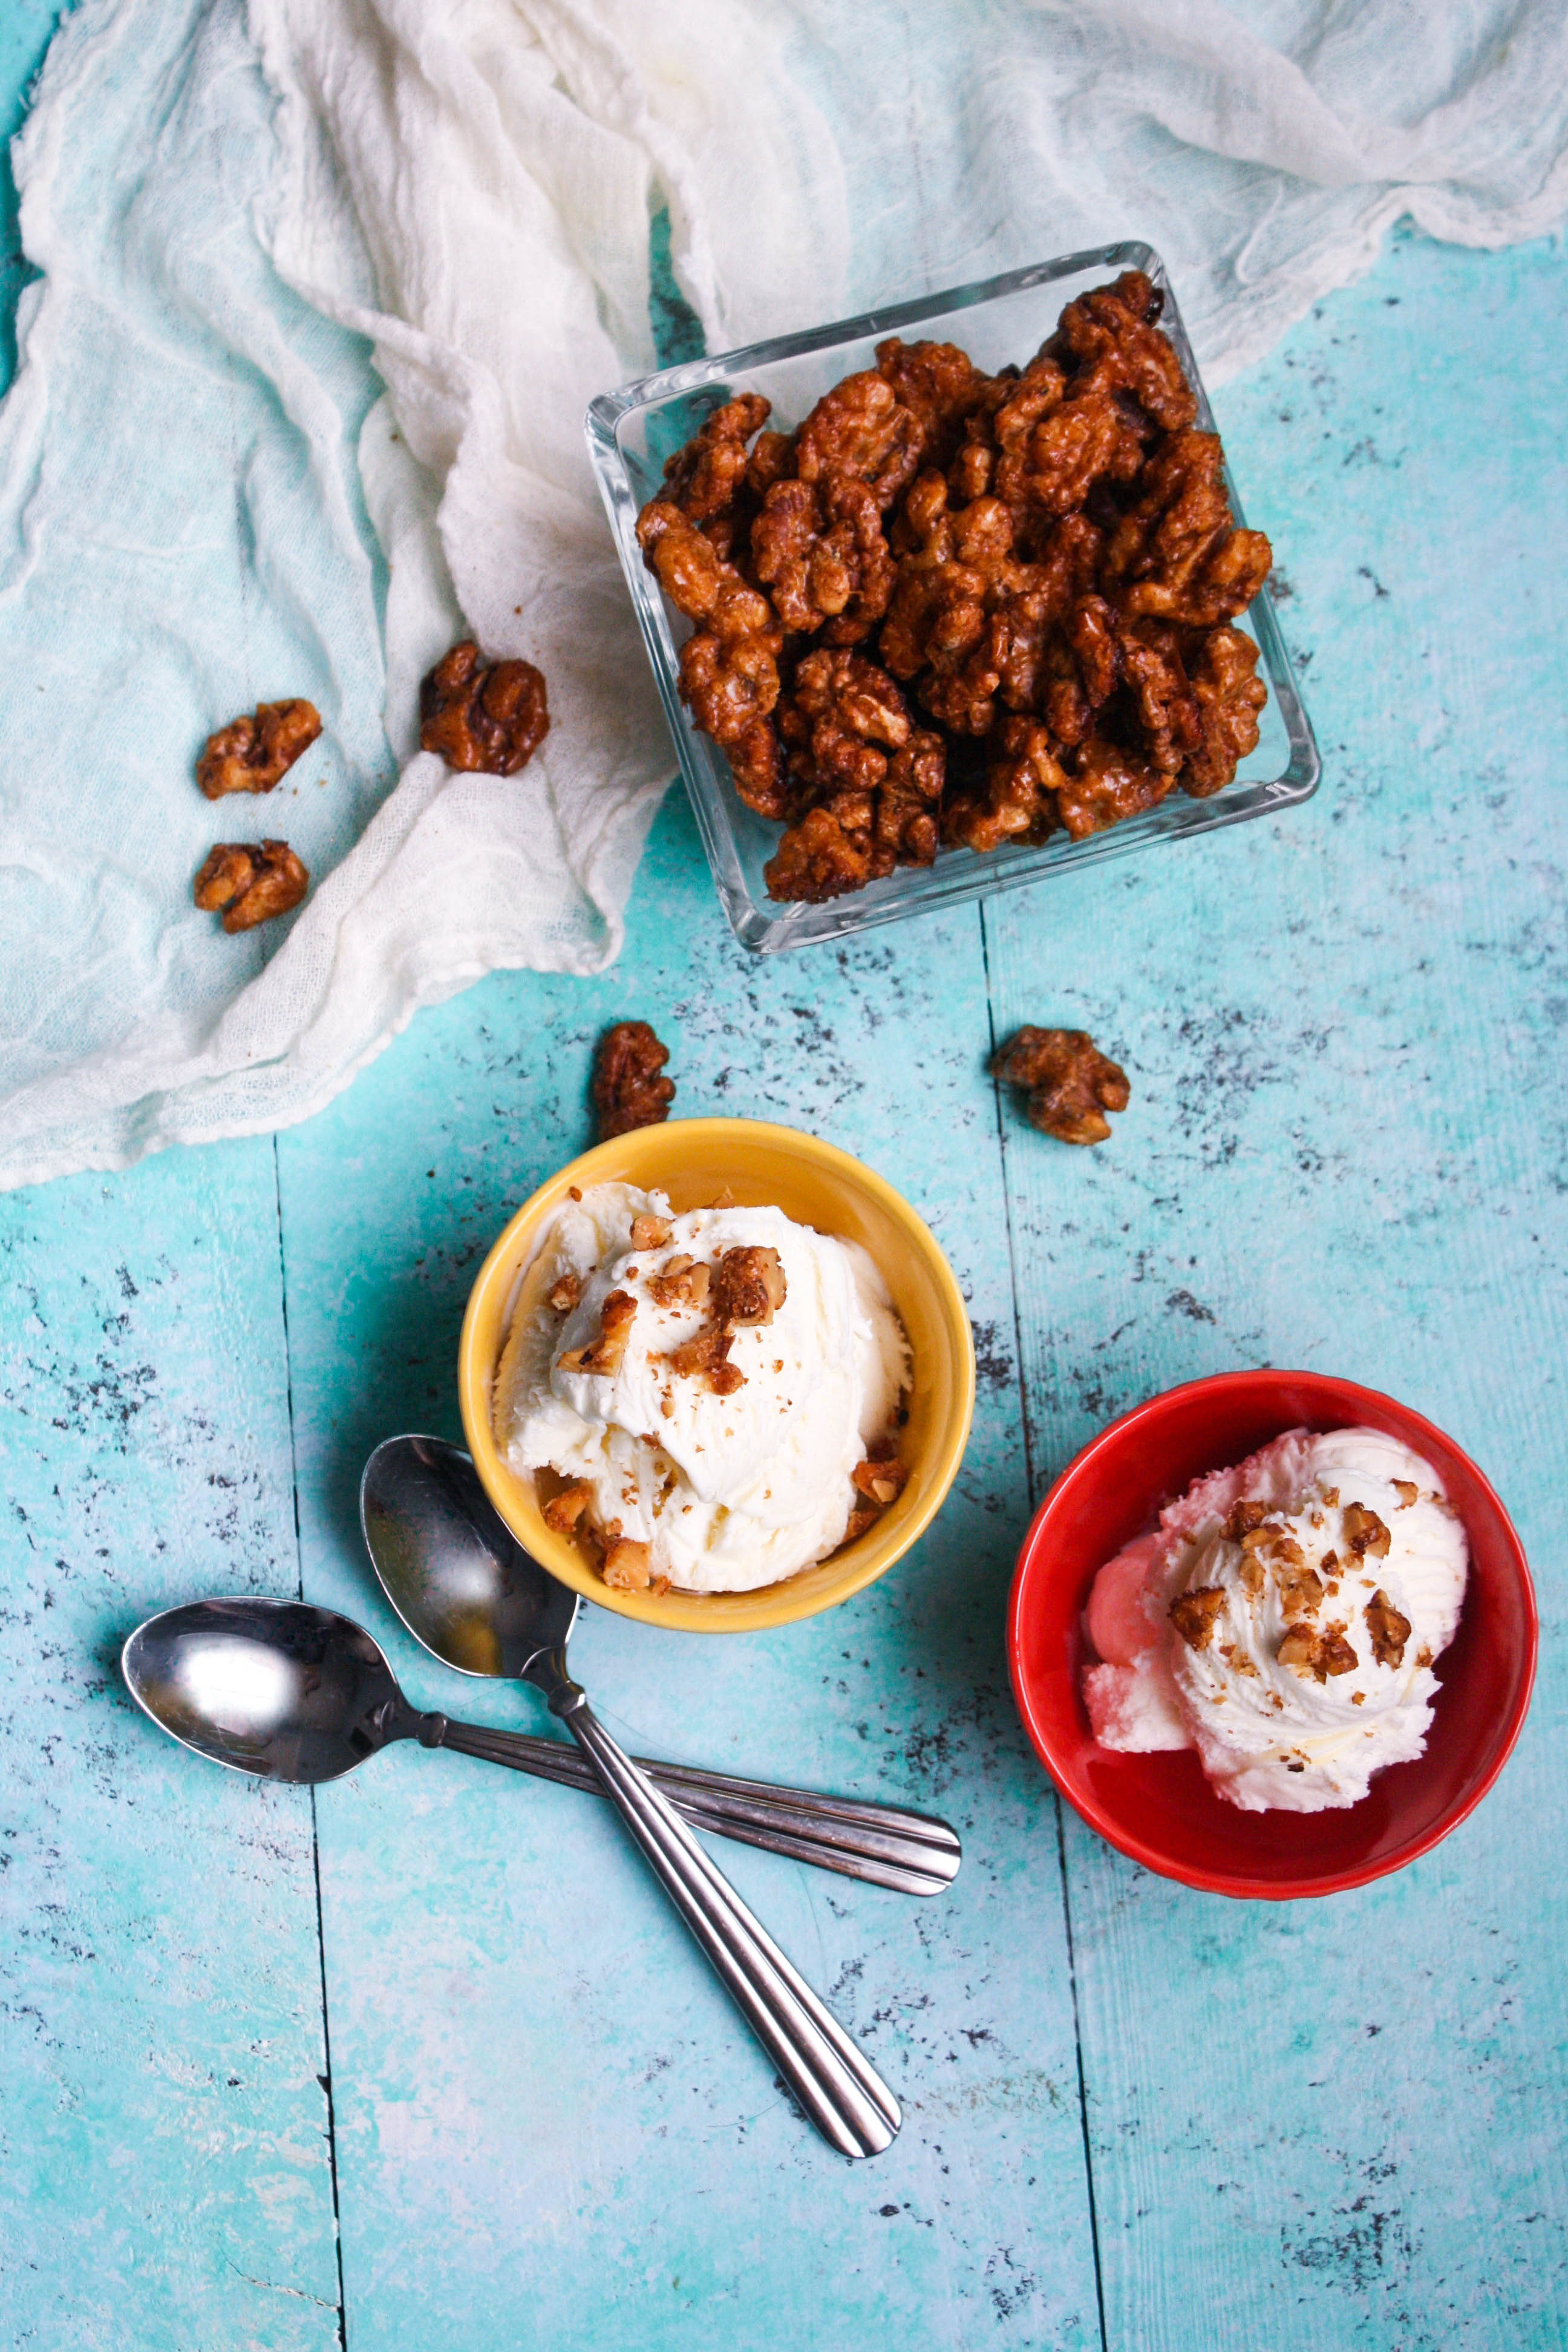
x=1159, y=1809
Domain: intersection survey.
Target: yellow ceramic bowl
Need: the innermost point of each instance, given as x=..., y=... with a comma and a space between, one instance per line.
x=691, y=1160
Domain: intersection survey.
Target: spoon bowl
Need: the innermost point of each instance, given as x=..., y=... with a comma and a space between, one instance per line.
x=272, y=1687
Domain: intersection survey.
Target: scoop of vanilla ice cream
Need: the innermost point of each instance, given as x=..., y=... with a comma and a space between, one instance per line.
x=728, y=1492
x=1295, y=1653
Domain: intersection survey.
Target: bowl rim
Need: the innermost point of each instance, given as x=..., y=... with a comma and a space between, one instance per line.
x=1238, y=1884
x=776, y=1604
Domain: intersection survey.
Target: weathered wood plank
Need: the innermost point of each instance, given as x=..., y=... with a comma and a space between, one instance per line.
x=533, y=2070
x=1340, y=2122
x=165, y=2167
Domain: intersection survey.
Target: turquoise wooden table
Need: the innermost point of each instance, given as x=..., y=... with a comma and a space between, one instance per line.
x=424, y=2060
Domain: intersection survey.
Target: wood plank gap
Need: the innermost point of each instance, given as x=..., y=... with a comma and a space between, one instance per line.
x=1033, y=1499
x=315, y=1829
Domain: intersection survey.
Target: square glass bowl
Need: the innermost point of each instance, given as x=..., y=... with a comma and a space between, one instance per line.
x=998, y=321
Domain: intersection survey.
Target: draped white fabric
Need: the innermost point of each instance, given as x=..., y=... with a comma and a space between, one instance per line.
x=326, y=289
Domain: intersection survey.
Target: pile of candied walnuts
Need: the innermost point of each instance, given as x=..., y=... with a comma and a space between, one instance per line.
x=953, y=608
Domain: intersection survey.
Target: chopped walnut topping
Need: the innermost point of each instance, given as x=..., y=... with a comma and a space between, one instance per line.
x=1365, y=1532
x=880, y=1482
x=249, y=886
x=1358, y=1699
x=1329, y=1563
x=626, y=1568
x=1193, y=1613
x=563, y=1511
x=1243, y=1517
x=1293, y=1766
x=1407, y=1491
x=1309, y=1652
x=1389, y=1628
x=862, y=1518
x=748, y=1286
x=685, y=1281
x=1237, y=1659
x=1330, y=1495
x=606, y=1353
x=649, y=1232
x=252, y=754
x=705, y=1357
x=1424, y=1655
x=566, y=1293
x=1251, y=1574
x=1300, y=1589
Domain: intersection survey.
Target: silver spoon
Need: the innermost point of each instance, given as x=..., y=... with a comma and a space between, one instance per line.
x=292, y=1693
x=424, y=1502
x=466, y=1590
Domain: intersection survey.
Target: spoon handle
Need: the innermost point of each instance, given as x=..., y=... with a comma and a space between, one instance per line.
x=840, y=2090
x=881, y=1844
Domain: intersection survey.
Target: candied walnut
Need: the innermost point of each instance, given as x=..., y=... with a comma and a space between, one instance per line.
x=627, y=1089
x=860, y=428
x=706, y=1357
x=1106, y=784
x=1300, y=1589
x=1408, y=1492
x=1071, y=1084
x=863, y=1518
x=938, y=384
x=1193, y=1614
x=1389, y=1628
x=563, y=1511
x=748, y=1286
x=606, y=1352
x=880, y=1482
x=1176, y=554
x=772, y=460
x=702, y=478
x=488, y=718
x=1243, y=1517
x=566, y=1293
x=1015, y=800
x=728, y=683
x=1058, y=461
x=819, y=548
x=1229, y=695
x=247, y=885
x=817, y=859
x=1108, y=340
x=841, y=719
x=626, y=1567
x=250, y=754
x=756, y=763
x=1306, y=1650
x=1365, y=1532
x=649, y=1232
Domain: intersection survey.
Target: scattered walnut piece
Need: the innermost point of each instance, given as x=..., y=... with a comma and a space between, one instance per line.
x=649, y=1232
x=1424, y=1655
x=880, y=1482
x=626, y=1568
x=748, y=1286
x=1328, y=1564
x=1365, y=1532
x=1389, y=1628
x=1071, y=1083
x=251, y=754
x=1407, y=1492
x=1237, y=1659
x=488, y=718
x=563, y=1511
x=1251, y=1574
x=564, y=1293
x=629, y=1091
x=247, y=885
x=606, y=1353
x=1331, y=1496
x=1358, y=1699
x=1193, y=1613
